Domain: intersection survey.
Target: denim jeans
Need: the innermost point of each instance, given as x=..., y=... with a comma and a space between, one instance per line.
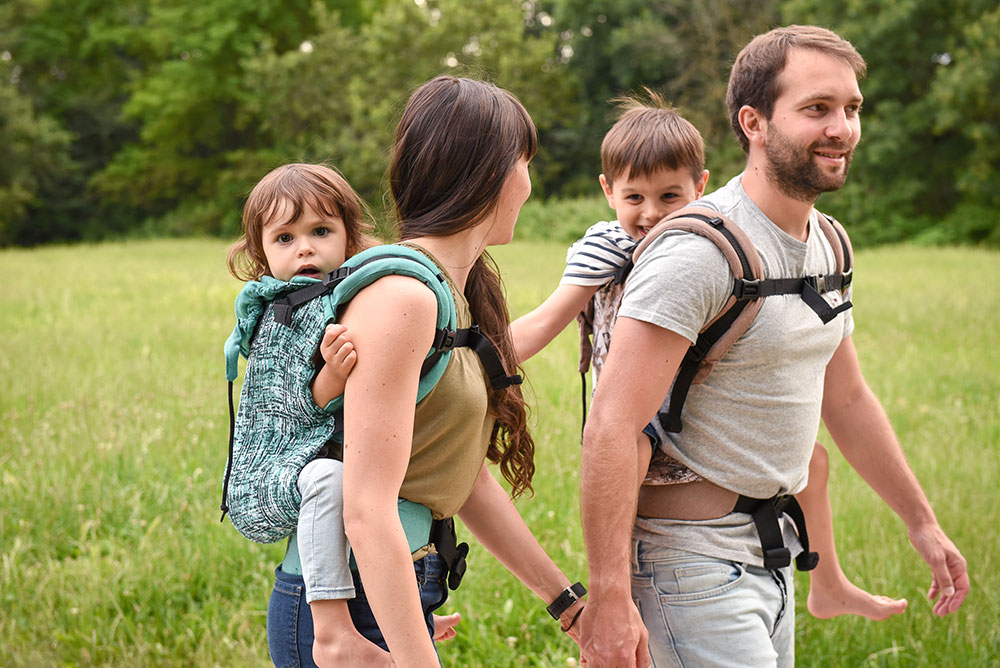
x=289, y=620
x=708, y=612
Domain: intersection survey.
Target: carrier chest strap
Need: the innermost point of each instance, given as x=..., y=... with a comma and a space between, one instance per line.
x=765, y=518
x=472, y=337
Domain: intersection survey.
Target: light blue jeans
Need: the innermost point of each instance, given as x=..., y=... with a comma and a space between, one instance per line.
x=322, y=543
x=713, y=613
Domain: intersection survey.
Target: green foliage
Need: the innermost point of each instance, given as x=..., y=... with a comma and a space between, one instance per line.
x=113, y=442
x=33, y=151
x=681, y=49
x=929, y=152
x=156, y=117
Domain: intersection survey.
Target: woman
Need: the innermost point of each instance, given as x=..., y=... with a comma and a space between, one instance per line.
x=459, y=177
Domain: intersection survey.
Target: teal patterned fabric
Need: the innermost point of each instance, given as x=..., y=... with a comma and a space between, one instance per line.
x=278, y=428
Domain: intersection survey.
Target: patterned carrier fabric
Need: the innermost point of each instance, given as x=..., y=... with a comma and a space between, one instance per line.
x=279, y=429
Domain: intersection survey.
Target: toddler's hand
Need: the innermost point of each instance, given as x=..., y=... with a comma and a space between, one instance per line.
x=337, y=349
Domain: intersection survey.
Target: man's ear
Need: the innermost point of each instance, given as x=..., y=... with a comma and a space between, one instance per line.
x=606, y=187
x=753, y=124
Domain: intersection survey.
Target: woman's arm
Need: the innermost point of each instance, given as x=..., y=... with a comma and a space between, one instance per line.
x=492, y=518
x=533, y=331
x=392, y=323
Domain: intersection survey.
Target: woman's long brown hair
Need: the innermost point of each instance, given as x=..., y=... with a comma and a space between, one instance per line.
x=456, y=144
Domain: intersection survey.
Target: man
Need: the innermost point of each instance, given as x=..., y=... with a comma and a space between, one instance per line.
x=694, y=575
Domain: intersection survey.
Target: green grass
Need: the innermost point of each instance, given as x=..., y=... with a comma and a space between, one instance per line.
x=113, y=428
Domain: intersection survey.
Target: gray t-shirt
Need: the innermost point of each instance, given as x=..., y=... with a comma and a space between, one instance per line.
x=751, y=425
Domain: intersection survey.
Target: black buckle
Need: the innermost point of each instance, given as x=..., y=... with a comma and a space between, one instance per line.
x=716, y=222
x=817, y=283
x=747, y=288
x=444, y=339
x=777, y=557
x=456, y=570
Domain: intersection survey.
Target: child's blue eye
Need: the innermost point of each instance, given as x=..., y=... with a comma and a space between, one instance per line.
x=284, y=238
x=321, y=231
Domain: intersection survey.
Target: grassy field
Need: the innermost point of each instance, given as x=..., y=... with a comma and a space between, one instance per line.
x=113, y=428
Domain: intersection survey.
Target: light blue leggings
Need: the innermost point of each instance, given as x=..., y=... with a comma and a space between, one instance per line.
x=322, y=544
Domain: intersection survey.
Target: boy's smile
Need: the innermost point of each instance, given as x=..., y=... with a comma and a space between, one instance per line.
x=642, y=201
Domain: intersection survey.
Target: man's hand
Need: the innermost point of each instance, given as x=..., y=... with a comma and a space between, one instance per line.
x=949, y=577
x=613, y=637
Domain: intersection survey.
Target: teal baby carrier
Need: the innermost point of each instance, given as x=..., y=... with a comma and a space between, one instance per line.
x=278, y=428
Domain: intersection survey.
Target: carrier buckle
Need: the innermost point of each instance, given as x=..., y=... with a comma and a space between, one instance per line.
x=747, y=288
x=818, y=283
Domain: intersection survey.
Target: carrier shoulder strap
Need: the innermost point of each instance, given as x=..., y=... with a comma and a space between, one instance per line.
x=365, y=268
x=750, y=287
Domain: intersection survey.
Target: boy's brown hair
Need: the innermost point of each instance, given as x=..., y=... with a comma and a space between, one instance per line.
x=318, y=186
x=649, y=136
x=754, y=80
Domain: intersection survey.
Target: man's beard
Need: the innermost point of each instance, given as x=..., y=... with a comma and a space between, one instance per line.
x=793, y=170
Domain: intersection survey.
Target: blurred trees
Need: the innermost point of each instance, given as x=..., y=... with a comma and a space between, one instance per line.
x=157, y=116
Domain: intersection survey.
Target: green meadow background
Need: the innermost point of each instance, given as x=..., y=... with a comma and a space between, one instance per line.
x=113, y=431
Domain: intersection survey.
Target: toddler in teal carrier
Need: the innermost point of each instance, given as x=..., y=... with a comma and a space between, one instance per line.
x=301, y=221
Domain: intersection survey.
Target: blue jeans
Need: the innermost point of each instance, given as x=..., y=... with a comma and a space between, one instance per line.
x=708, y=612
x=289, y=620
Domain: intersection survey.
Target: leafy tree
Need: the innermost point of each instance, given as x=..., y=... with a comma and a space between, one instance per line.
x=33, y=150
x=339, y=100
x=681, y=49
x=928, y=116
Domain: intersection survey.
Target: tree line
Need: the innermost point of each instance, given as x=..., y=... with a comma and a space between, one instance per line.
x=155, y=117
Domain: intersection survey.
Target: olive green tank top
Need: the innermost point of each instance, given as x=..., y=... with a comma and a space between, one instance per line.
x=452, y=427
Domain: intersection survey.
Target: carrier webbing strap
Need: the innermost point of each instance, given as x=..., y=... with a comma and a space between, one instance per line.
x=472, y=337
x=283, y=306
x=224, y=507
x=765, y=518
x=671, y=420
x=746, y=290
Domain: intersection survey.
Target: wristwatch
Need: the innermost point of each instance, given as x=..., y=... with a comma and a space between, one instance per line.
x=566, y=598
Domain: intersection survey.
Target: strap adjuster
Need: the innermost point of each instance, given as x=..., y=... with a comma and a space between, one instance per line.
x=337, y=275
x=818, y=283
x=747, y=288
x=444, y=339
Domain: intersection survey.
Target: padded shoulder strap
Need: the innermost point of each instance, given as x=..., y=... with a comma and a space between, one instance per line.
x=737, y=314
x=337, y=288
x=841, y=244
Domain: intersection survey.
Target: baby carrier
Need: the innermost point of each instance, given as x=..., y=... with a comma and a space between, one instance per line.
x=279, y=429
x=750, y=288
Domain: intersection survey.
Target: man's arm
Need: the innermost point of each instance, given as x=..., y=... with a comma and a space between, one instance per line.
x=637, y=374
x=861, y=429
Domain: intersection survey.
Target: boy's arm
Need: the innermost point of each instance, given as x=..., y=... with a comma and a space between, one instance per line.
x=862, y=432
x=339, y=357
x=533, y=331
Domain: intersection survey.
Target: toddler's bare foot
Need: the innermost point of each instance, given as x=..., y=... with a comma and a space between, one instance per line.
x=444, y=626
x=847, y=599
x=350, y=649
